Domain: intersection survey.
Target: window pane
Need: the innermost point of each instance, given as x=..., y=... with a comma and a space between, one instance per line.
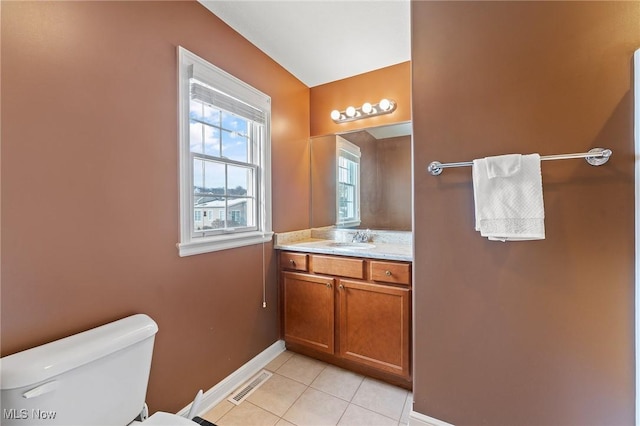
x=235, y=137
x=347, y=171
x=240, y=212
x=198, y=223
x=212, y=141
x=352, y=168
x=235, y=123
x=208, y=177
x=239, y=180
x=235, y=146
x=214, y=178
x=251, y=219
x=211, y=115
x=195, y=110
x=195, y=136
x=208, y=212
x=347, y=202
x=218, y=216
x=198, y=175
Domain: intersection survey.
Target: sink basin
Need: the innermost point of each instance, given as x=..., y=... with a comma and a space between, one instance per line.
x=350, y=246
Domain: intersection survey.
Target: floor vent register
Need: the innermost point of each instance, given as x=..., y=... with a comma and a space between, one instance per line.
x=254, y=383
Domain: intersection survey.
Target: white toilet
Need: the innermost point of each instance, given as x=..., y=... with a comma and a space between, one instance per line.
x=98, y=377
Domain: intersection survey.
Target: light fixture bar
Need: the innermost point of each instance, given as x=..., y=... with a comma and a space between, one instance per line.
x=385, y=106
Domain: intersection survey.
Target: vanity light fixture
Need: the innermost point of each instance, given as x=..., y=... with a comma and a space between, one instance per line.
x=351, y=113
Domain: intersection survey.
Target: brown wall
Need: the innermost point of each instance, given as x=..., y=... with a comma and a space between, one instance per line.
x=385, y=177
x=393, y=82
x=540, y=332
x=323, y=181
x=90, y=195
x=394, y=162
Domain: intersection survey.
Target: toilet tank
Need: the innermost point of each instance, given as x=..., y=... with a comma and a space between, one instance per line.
x=97, y=377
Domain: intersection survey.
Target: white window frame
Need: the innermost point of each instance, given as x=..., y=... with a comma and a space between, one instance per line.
x=343, y=145
x=191, y=65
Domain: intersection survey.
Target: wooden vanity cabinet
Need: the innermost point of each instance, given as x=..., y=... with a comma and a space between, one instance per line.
x=309, y=310
x=353, y=312
x=374, y=325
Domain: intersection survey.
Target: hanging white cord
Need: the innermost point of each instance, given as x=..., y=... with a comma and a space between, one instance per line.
x=264, y=278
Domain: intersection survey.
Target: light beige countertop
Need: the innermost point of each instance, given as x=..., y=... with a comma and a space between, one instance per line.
x=389, y=245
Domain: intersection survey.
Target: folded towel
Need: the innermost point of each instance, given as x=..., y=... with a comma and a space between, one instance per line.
x=503, y=165
x=507, y=191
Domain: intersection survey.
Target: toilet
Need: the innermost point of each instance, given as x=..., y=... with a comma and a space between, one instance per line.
x=97, y=377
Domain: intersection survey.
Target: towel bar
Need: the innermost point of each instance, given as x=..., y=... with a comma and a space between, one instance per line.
x=595, y=157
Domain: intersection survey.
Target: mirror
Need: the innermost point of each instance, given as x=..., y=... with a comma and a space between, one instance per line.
x=384, y=183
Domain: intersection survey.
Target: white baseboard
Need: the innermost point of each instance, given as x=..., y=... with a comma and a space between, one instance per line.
x=419, y=419
x=219, y=392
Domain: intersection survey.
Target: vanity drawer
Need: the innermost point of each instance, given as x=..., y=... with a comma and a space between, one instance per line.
x=390, y=272
x=340, y=266
x=294, y=261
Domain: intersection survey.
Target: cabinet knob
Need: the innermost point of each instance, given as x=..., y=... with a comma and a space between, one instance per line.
x=387, y=273
x=328, y=285
x=291, y=261
x=341, y=287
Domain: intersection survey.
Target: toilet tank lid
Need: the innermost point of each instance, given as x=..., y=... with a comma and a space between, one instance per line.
x=49, y=360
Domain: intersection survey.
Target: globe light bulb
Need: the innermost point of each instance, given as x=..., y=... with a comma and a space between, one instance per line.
x=367, y=108
x=335, y=115
x=351, y=112
x=385, y=104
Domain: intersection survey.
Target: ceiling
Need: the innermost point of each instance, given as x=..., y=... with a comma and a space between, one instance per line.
x=323, y=41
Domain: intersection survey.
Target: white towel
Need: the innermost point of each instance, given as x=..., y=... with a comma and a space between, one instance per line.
x=507, y=191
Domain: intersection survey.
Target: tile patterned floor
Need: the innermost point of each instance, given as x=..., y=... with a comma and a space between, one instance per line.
x=307, y=392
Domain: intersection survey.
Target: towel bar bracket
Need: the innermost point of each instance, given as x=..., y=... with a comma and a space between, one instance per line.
x=435, y=168
x=601, y=158
x=595, y=157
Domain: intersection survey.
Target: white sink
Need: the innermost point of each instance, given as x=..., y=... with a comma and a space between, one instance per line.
x=350, y=246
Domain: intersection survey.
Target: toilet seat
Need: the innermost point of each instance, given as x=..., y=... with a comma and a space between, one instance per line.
x=167, y=419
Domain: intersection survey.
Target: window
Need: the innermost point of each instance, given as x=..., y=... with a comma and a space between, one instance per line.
x=348, y=183
x=224, y=159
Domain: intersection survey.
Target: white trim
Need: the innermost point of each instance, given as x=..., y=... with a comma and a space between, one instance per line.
x=419, y=419
x=224, y=388
x=636, y=80
x=235, y=240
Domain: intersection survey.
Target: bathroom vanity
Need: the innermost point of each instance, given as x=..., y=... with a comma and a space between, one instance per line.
x=349, y=305
x=346, y=293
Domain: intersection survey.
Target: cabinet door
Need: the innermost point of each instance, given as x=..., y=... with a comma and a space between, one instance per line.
x=309, y=310
x=374, y=325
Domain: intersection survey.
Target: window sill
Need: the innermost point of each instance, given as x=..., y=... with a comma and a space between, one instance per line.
x=223, y=242
x=348, y=224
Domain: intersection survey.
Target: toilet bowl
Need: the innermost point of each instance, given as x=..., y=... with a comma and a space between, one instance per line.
x=94, y=378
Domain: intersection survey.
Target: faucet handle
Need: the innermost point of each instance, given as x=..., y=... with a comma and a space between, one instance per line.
x=362, y=236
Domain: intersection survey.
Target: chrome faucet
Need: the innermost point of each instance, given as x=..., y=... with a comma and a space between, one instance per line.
x=361, y=236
